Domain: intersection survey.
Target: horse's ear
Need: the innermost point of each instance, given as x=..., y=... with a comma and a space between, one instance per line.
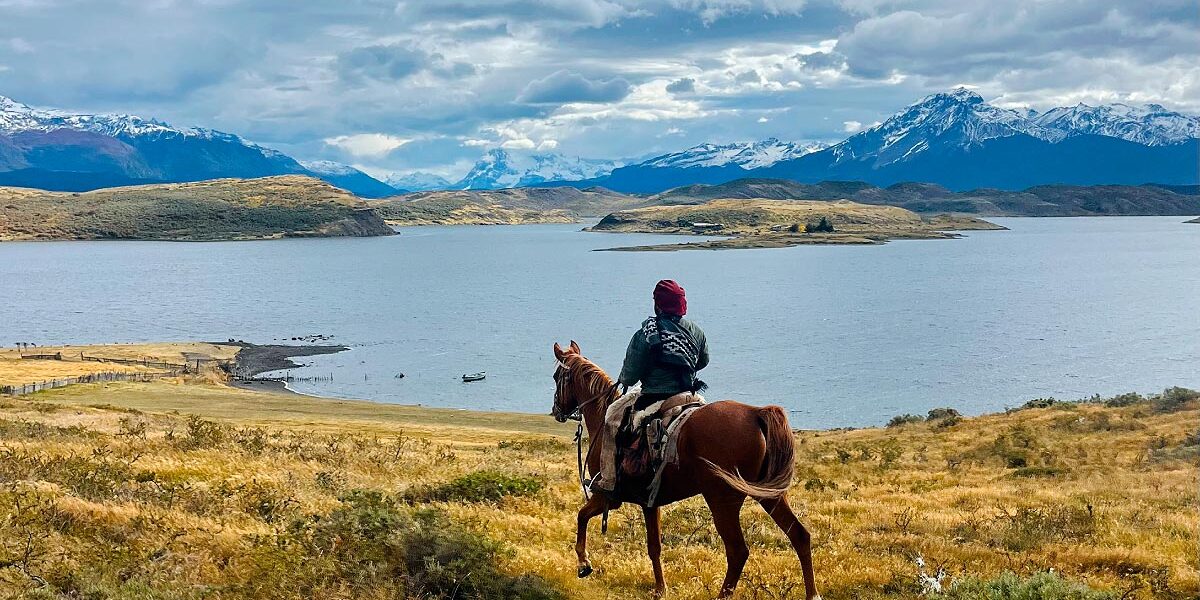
x=575, y=348
x=558, y=352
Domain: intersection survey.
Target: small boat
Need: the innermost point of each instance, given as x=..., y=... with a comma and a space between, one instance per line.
x=480, y=376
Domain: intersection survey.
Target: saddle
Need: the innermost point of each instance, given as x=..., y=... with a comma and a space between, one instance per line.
x=646, y=445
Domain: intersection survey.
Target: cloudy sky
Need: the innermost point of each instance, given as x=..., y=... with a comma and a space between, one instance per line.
x=409, y=85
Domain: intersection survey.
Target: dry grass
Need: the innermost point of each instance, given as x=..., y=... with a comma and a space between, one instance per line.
x=132, y=497
x=263, y=208
x=16, y=371
x=758, y=223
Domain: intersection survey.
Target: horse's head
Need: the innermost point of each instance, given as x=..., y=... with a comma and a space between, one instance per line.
x=565, y=400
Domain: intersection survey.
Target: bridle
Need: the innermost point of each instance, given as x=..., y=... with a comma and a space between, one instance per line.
x=562, y=378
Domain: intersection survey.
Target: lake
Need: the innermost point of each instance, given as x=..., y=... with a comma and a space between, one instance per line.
x=839, y=335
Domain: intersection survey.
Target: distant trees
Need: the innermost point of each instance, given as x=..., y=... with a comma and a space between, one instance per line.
x=822, y=226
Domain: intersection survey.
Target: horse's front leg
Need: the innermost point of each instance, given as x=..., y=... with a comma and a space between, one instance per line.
x=654, y=548
x=594, y=506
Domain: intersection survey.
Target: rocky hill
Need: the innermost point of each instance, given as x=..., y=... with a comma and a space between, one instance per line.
x=221, y=209
x=1045, y=200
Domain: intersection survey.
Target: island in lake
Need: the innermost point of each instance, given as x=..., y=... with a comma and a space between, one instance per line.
x=761, y=223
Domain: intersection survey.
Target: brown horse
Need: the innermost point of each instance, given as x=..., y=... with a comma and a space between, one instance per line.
x=718, y=443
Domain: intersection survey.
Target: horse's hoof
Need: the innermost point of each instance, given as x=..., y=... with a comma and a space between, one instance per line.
x=584, y=571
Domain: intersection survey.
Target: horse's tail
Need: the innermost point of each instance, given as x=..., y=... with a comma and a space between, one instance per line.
x=779, y=464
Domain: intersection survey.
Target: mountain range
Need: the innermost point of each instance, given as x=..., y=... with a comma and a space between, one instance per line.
x=953, y=139
x=958, y=140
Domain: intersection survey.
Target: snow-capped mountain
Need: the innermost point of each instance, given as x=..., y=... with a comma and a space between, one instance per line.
x=959, y=118
x=54, y=149
x=417, y=181
x=960, y=141
x=16, y=117
x=501, y=169
x=1151, y=124
x=747, y=155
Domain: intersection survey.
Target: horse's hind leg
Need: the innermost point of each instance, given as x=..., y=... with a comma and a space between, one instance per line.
x=799, y=537
x=726, y=512
x=654, y=548
x=594, y=506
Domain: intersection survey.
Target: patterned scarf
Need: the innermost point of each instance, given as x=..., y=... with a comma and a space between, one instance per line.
x=675, y=348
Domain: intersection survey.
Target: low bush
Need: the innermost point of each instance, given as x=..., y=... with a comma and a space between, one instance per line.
x=1037, y=472
x=373, y=544
x=905, y=419
x=942, y=413
x=1010, y=586
x=544, y=444
x=479, y=486
x=1173, y=399
x=948, y=422
x=1122, y=400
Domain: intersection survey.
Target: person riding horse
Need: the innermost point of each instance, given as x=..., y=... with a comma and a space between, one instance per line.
x=664, y=355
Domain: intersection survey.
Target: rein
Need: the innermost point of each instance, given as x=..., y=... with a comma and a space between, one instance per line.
x=577, y=416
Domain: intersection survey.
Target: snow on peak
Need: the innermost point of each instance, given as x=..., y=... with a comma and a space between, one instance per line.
x=417, y=181
x=498, y=168
x=16, y=117
x=747, y=155
x=960, y=117
x=1150, y=124
x=328, y=167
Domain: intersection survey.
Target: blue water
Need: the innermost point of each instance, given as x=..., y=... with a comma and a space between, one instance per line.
x=841, y=336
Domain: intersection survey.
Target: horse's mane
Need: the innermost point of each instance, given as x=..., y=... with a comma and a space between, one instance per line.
x=593, y=381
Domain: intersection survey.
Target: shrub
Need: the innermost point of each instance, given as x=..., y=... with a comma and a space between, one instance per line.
x=544, y=444
x=1042, y=403
x=1173, y=399
x=1029, y=527
x=372, y=543
x=1122, y=400
x=948, y=422
x=942, y=413
x=1037, y=472
x=905, y=419
x=479, y=486
x=202, y=433
x=822, y=226
x=1009, y=586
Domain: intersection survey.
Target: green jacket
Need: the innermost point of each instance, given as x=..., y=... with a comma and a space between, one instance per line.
x=640, y=364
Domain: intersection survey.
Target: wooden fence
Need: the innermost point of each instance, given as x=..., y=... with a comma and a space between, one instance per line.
x=55, y=356
x=136, y=362
x=287, y=378
x=29, y=388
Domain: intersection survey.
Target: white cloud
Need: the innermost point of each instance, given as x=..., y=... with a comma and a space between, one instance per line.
x=763, y=120
x=851, y=126
x=547, y=145
x=518, y=144
x=367, y=144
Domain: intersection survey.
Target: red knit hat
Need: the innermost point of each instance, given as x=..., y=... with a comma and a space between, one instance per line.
x=669, y=298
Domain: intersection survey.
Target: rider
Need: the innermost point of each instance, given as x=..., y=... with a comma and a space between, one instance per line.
x=664, y=355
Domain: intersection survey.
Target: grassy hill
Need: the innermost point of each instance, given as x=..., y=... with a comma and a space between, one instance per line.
x=509, y=206
x=221, y=209
x=1039, y=201
x=187, y=489
x=776, y=223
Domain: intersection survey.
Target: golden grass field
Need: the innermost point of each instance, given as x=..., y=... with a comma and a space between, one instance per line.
x=187, y=489
x=15, y=370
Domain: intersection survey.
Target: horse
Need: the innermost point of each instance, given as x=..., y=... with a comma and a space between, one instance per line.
x=717, y=444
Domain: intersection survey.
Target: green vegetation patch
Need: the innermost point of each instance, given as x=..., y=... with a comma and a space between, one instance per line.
x=1010, y=586
x=478, y=486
